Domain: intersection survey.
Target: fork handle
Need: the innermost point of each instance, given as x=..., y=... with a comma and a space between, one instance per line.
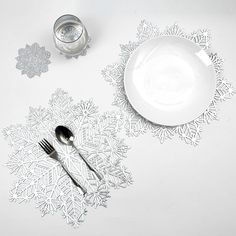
x=73, y=180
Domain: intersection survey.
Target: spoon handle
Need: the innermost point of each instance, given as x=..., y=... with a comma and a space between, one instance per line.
x=87, y=164
x=74, y=181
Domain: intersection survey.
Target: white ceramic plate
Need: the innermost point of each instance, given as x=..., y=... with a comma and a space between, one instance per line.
x=170, y=80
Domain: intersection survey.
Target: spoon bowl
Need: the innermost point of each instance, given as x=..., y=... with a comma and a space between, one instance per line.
x=64, y=135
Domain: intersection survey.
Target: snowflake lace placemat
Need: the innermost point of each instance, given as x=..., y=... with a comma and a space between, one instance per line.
x=135, y=124
x=42, y=179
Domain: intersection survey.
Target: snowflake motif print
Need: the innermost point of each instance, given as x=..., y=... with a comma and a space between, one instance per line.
x=33, y=60
x=42, y=179
x=82, y=53
x=135, y=124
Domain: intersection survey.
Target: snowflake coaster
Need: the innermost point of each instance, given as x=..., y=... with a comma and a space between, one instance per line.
x=33, y=60
x=135, y=124
x=81, y=54
x=42, y=179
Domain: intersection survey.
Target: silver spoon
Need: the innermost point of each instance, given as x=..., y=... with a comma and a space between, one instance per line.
x=65, y=136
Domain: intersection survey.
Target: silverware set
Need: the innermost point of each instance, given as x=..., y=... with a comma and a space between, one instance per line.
x=66, y=137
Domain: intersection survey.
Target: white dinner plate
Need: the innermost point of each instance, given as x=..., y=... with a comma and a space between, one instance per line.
x=170, y=80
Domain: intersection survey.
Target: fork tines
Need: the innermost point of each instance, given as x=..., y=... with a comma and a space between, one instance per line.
x=46, y=146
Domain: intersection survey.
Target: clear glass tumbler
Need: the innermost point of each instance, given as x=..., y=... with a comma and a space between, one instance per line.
x=70, y=35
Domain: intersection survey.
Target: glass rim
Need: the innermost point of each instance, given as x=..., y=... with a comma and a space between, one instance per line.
x=67, y=15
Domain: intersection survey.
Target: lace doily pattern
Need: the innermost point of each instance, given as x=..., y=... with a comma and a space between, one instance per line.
x=42, y=179
x=33, y=60
x=135, y=124
x=82, y=54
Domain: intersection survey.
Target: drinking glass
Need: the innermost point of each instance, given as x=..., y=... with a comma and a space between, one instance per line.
x=70, y=35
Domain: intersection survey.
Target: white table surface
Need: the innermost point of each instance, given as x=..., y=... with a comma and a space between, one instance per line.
x=179, y=190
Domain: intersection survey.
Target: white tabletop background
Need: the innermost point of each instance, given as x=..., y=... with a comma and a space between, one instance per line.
x=179, y=190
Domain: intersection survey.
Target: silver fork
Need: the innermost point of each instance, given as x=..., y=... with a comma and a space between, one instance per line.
x=50, y=150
